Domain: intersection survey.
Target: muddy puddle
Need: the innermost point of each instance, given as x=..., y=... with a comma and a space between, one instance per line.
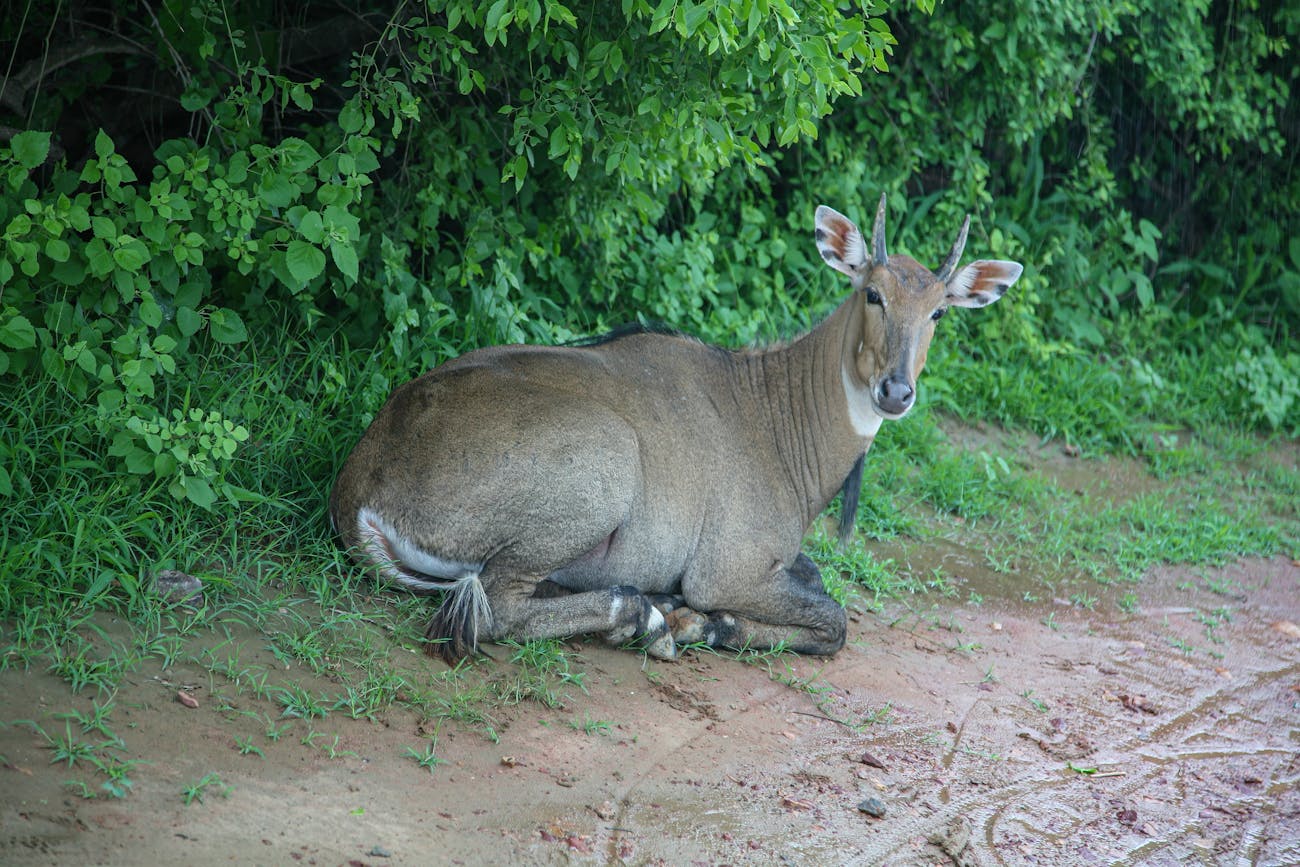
x=1004, y=732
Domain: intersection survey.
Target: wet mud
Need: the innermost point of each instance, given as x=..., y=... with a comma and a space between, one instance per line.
x=1005, y=732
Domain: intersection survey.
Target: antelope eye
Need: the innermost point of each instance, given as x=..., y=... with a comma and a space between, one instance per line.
x=938, y=314
x=873, y=297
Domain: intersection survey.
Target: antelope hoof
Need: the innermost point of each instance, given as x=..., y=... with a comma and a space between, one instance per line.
x=645, y=629
x=662, y=647
x=687, y=625
x=655, y=639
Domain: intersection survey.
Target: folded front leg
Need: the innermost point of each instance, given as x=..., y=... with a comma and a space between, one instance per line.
x=793, y=612
x=621, y=615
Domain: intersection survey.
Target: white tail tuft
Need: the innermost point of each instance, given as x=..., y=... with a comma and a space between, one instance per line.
x=464, y=609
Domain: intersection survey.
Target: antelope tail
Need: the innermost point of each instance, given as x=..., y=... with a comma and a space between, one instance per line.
x=453, y=632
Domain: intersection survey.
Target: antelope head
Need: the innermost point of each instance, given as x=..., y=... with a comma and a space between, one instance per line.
x=901, y=301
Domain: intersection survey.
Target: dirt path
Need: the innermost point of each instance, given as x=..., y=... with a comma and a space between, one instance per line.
x=998, y=733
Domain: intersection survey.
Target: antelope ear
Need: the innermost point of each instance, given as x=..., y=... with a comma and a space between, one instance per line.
x=982, y=282
x=840, y=242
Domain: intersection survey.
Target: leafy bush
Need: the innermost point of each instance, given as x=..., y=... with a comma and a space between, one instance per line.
x=120, y=274
x=227, y=230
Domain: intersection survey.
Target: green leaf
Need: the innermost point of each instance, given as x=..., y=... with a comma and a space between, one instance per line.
x=1145, y=292
x=150, y=312
x=196, y=98
x=57, y=249
x=225, y=326
x=30, y=148
x=312, y=227
x=103, y=146
x=100, y=259
x=6, y=485
x=345, y=258
x=188, y=321
x=495, y=12
x=304, y=261
x=17, y=332
x=139, y=461
x=351, y=117
x=109, y=400
x=132, y=255
x=301, y=97
x=694, y=17
x=237, y=168
x=103, y=227
x=164, y=465
x=298, y=155
x=86, y=361
x=199, y=492
x=277, y=190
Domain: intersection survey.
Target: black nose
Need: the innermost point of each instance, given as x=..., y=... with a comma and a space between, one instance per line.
x=896, y=395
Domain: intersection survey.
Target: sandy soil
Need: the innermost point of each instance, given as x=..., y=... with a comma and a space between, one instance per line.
x=1000, y=733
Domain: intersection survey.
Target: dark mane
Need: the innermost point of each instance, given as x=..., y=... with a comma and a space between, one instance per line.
x=628, y=330
x=634, y=328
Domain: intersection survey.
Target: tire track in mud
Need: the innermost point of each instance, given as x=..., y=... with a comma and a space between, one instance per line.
x=965, y=829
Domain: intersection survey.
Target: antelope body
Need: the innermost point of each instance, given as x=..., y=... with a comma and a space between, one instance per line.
x=551, y=491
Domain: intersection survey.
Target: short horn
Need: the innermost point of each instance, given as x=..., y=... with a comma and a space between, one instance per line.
x=878, y=253
x=946, y=271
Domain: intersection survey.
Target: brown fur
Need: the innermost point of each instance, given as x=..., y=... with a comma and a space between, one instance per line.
x=646, y=464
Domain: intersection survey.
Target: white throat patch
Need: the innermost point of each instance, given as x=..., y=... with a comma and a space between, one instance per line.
x=862, y=414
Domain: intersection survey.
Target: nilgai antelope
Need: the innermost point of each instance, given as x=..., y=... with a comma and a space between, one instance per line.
x=551, y=491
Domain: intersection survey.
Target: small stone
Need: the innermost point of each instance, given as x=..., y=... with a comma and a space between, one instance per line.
x=378, y=851
x=174, y=586
x=873, y=807
x=869, y=759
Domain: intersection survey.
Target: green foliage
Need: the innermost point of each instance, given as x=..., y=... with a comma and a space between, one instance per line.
x=209, y=782
x=114, y=291
x=207, y=292
x=120, y=273
x=1268, y=383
